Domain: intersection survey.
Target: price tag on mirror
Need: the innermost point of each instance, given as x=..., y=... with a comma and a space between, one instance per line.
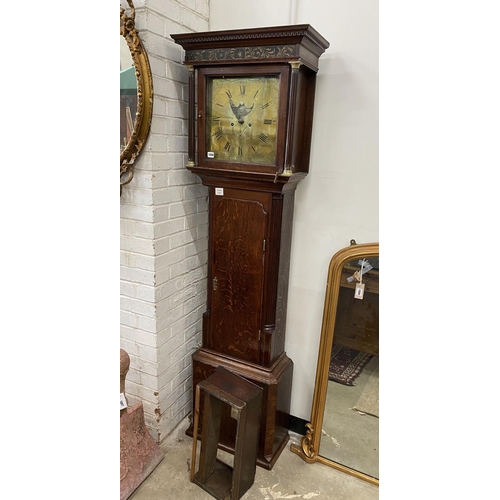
x=359, y=291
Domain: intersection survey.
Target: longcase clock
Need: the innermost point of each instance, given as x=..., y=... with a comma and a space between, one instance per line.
x=251, y=99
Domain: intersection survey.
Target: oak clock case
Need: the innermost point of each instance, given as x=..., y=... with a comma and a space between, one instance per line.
x=251, y=99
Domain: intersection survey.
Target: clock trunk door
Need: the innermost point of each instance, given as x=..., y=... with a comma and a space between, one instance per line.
x=237, y=274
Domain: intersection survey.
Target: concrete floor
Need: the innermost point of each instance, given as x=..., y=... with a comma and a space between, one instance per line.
x=290, y=477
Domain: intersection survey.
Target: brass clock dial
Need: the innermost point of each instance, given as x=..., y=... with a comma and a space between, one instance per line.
x=242, y=119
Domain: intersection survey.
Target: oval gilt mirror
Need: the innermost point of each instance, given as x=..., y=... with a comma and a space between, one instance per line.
x=343, y=432
x=136, y=94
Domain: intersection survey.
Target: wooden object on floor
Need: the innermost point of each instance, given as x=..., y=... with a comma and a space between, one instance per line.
x=139, y=453
x=243, y=399
x=276, y=383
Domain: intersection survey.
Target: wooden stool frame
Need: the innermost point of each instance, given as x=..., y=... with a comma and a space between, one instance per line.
x=245, y=400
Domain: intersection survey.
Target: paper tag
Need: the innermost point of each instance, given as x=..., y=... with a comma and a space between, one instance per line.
x=210, y=154
x=359, y=291
x=219, y=191
x=123, y=401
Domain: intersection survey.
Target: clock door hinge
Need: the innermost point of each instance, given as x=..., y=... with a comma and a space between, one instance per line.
x=264, y=245
x=259, y=335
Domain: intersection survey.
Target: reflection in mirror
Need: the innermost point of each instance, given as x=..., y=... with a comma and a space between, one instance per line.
x=128, y=94
x=136, y=94
x=343, y=432
x=350, y=422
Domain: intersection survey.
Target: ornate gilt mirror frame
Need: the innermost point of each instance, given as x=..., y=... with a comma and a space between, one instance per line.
x=310, y=443
x=144, y=78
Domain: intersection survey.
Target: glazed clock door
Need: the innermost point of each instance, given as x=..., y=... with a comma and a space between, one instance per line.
x=240, y=123
x=243, y=119
x=237, y=274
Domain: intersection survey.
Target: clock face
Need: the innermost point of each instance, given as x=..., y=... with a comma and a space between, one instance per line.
x=242, y=118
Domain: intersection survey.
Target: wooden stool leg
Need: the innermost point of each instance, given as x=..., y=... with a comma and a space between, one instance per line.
x=209, y=435
x=195, y=432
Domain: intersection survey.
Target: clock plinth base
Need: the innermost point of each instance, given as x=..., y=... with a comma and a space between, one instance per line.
x=276, y=383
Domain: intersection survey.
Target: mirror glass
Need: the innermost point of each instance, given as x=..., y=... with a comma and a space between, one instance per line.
x=128, y=94
x=350, y=430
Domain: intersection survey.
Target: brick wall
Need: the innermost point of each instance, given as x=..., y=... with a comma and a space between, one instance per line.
x=164, y=231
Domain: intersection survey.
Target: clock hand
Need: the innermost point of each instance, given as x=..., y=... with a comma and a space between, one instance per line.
x=243, y=129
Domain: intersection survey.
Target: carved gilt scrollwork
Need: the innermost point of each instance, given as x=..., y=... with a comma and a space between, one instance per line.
x=307, y=442
x=142, y=123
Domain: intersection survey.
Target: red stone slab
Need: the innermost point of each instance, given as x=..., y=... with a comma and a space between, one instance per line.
x=139, y=453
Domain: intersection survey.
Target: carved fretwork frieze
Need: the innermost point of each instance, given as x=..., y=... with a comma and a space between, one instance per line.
x=242, y=53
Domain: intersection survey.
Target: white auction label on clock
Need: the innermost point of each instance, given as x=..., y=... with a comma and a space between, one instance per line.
x=219, y=191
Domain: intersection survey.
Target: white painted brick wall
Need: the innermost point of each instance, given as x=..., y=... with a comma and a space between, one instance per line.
x=164, y=232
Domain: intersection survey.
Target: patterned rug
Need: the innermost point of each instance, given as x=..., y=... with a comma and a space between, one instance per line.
x=346, y=364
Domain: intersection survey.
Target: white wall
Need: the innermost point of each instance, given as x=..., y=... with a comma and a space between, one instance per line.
x=338, y=200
